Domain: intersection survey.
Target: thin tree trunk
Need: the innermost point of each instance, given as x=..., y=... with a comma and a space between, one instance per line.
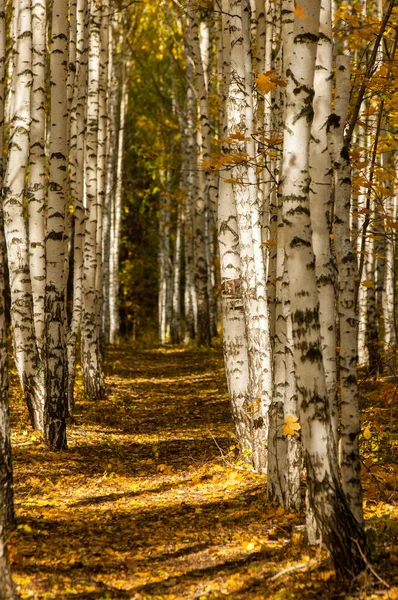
x=347, y=267
x=78, y=126
x=91, y=351
x=56, y=374
x=36, y=191
x=241, y=124
x=111, y=142
x=25, y=349
x=321, y=206
x=7, y=517
x=117, y=219
x=341, y=532
x=190, y=299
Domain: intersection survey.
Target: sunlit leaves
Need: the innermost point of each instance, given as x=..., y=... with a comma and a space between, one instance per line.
x=267, y=82
x=291, y=425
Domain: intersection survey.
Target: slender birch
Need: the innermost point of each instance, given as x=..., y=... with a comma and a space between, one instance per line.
x=56, y=380
x=25, y=349
x=241, y=124
x=91, y=351
x=348, y=320
x=36, y=191
x=341, y=532
x=190, y=298
x=321, y=207
x=7, y=516
x=116, y=219
x=77, y=135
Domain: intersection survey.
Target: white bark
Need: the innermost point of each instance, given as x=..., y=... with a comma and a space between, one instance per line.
x=56, y=375
x=190, y=299
x=111, y=142
x=25, y=349
x=337, y=525
x=91, y=351
x=241, y=122
x=37, y=171
x=116, y=220
x=347, y=267
x=321, y=206
x=77, y=135
x=7, y=517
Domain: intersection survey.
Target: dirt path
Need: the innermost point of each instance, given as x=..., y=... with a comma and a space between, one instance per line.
x=144, y=504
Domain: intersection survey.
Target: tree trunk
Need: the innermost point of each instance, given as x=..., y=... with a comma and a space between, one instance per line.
x=347, y=267
x=56, y=374
x=7, y=517
x=91, y=351
x=117, y=218
x=25, y=349
x=321, y=206
x=36, y=191
x=241, y=125
x=341, y=532
x=78, y=125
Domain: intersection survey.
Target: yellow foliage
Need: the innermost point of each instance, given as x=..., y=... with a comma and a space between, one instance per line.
x=291, y=425
x=367, y=434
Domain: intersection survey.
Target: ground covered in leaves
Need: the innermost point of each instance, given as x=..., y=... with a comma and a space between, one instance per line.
x=151, y=501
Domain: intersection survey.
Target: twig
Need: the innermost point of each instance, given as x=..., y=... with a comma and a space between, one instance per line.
x=227, y=462
x=369, y=566
x=288, y=570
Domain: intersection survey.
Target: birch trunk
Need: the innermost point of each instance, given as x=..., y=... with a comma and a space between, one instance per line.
x=117, y=219
x=341, y=532
x=111, y=142
x=176, y=295
x=321, y=205
x=7, y=517
x=91, y=351
x=36, y=191
x=78, y=126
x=347, y=268
x=103, y=116
x=241, y=124
x=164, y=262
x=190, y=299
x=206, y=197
x=25, y=349
x=56, y=379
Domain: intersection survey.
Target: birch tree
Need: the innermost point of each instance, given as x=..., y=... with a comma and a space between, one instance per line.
x=56, y=247
x=91, y=351
x=77, y=133
x=26, y=353
x=116, y=218
x=36, y=190
x=347, y=266
x=241, y=127
x=6, y=490
x=342, y=533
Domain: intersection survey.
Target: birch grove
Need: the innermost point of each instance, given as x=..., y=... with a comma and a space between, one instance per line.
x=237, y=177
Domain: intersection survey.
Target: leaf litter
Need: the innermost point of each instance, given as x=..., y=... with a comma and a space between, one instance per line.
x=152, y=501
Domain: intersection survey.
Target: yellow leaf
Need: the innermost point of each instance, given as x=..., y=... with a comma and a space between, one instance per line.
x=248, y=546
x=299, y=12
x=264, y=83
x=367, y=434
x=25, y=528
x=368, y=283
x=291, y=425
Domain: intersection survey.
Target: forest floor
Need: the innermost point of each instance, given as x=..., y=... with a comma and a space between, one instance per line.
x=150, y=500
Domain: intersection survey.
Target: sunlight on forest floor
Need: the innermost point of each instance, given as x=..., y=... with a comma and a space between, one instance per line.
x=150, y=501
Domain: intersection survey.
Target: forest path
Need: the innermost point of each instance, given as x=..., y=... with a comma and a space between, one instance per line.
x=149, y=501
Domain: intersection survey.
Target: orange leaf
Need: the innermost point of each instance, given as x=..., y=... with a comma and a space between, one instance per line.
x=299, y=12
